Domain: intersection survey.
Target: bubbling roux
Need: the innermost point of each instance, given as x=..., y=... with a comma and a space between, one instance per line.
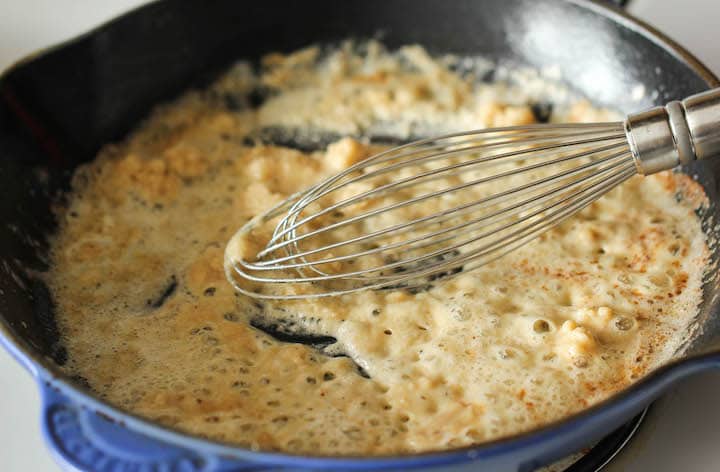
x=151, y=324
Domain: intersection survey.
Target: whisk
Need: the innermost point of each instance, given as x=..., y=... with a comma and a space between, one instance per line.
x=430, y=209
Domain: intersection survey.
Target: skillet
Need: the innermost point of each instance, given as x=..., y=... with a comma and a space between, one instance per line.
x=59, y=107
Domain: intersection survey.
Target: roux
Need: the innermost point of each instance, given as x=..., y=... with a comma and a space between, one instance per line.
x=152, y=325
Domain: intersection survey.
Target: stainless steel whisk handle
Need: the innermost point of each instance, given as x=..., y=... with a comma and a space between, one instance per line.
x=680, y=132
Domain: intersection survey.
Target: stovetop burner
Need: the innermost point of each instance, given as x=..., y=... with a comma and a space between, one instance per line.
x=600, y=455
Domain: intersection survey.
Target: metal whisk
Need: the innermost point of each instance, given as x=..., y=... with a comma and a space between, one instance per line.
x=407, y=216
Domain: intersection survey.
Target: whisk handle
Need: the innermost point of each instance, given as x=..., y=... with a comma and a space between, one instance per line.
x=680, y=132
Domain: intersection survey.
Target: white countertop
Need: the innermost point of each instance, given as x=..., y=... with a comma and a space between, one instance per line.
x=684, y=438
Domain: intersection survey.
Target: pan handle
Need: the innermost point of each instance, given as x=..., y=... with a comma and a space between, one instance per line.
x=83, y=440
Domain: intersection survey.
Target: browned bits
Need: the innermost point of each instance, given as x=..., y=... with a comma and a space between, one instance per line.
x=506, y=353
x=232, y=317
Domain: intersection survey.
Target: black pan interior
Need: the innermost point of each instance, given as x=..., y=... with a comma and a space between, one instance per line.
x=57, y=110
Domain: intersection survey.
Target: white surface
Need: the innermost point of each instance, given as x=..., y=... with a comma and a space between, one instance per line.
x=684, y=438
x=28, y=25
x=692, y=23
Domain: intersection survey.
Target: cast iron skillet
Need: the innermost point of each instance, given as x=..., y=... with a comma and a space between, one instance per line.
x=58, y=108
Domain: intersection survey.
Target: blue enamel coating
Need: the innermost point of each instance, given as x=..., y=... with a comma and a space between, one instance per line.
x=82, y=437
x=83, y=440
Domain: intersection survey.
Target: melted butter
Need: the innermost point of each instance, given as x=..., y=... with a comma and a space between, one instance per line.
x=152, y=325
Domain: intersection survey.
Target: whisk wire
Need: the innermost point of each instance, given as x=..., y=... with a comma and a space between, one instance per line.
x=233, y=270
x=297, y=208
x=591, y=192
x=461, y=201
x=289, y=223
x=435, y=218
